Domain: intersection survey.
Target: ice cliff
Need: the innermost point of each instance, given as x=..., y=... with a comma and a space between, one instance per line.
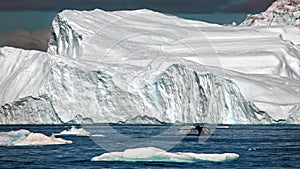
x=71, y=89
x=143, y=66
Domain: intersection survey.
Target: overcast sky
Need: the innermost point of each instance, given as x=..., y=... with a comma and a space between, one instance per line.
x=19, y=16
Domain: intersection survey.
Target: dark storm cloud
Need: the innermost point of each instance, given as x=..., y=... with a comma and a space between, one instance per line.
x=168, y=6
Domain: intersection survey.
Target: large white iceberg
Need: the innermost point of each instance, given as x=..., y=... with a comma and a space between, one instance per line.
x=71, y=89
x=155, y=154
x=121, y=66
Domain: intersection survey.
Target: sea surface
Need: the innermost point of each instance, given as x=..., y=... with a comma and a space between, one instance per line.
x=33, y=20
x=258, y=146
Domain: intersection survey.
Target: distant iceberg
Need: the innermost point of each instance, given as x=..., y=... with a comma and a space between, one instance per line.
x=75, y=131
x=281, y=12
x=153, y=154
x=24, y=137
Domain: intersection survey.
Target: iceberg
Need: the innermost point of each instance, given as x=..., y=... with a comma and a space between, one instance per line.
x=93, y=94
x=24, y=137
x=74, y=131
x=142, y=66
x=153, y=154
x=262, y=59
x=281, y=12
x=8, y=138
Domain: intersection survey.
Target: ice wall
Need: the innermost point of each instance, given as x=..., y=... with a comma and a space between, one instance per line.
x=260, y=59
x=73, y=89
x=143, y=66
x=24, y=75
x=97, y=95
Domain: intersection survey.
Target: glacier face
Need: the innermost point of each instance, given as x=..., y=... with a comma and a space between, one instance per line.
x=95, y=94
x=74, y=89
x=143, y=66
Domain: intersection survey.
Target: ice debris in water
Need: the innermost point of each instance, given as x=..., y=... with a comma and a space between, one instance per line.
x=75, y=131
x=155, y=154
x=24, y=137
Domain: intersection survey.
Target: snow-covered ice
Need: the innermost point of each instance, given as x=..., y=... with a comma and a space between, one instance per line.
x=261, y=59
x=146, y=67
x=155, y=154
x=281, y=12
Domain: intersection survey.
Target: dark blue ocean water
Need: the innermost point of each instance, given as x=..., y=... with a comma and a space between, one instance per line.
x=258, y=146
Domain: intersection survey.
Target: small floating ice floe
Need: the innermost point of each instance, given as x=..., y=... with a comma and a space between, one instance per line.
x=98, y=135
x=222, y=127
x=158, y=155
x=24, y=137
x=75, y=131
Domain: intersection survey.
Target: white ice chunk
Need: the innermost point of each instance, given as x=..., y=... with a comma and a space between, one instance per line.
x=75, y=131
x=24, y=137
x=155, y=154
